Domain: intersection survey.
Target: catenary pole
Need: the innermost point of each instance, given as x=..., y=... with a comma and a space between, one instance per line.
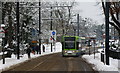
x=3, y=39
x=107, y=32
x=78, y=24
x=17, y=16
x=51, y=25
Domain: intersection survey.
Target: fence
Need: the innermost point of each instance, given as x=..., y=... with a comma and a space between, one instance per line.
x=114, y=54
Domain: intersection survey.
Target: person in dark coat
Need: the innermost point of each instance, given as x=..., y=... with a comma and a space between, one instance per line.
x=28, y=51
x=37, y=49
x=43, y=48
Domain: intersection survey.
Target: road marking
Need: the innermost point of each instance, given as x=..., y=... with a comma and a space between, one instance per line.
x=70, y=66
x=36, y=66
x=39, y=63
x=69, y=58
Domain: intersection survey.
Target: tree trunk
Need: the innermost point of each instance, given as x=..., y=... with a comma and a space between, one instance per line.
x=10, y=26
x=119, y=40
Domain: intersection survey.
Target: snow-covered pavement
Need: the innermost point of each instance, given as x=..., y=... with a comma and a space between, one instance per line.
x=100, y=66
x=13, y=60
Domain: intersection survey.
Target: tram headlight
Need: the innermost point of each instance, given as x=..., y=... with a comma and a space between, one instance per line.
x=77, y=51
x=65, y=51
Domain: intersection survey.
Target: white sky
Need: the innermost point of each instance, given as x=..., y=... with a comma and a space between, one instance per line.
x=86, y=8
x=90, y=10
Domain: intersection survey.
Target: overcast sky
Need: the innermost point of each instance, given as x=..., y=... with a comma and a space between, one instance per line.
x=87, y=9
x=90, y=10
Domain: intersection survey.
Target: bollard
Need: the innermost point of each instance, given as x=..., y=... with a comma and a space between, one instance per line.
x=102, y=57
x=119, y=64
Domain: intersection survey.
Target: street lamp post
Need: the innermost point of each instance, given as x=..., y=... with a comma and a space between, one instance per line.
x=107, y=32
x=78, y=23
x=17, y=16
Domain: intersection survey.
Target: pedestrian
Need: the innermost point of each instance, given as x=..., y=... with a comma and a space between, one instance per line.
x=43, y=48
x=33, y=49
x=37, y=49
x=28, y=51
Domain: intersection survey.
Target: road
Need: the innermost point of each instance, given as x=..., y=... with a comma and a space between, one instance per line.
x=54, y=62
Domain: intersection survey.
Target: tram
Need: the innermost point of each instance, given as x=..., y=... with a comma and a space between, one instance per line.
x=70, y=46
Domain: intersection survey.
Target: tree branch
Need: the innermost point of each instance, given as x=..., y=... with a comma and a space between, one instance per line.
x=116, y=27
x=114, y=19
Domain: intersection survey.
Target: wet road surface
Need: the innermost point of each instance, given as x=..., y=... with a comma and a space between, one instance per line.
x=54, y=62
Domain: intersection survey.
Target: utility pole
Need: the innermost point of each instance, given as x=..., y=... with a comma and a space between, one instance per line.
x=40, y=27
x=1, y=12
x=17, y=16
x=69, y=14
x=94, y=47
x=51, y=25
x=3, y=39
x=78, y=19
x=107, y=32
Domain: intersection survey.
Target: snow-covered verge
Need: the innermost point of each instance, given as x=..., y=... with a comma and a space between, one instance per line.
x=9, y=62
x=100, y=66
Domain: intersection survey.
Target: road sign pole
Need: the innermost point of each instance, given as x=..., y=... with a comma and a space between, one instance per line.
x=89, y=46
x=54, y=38
x=107, y=32
x=3, y=50
x=40, y=27
x=51, y=26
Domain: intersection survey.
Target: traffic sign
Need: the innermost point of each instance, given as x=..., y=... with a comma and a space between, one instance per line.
x=2, y=33
x=34, y=41
x=52, y=36
x=53, y=33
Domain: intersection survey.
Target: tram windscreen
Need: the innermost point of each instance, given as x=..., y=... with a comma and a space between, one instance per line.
x=69, y=38
x=69, y=45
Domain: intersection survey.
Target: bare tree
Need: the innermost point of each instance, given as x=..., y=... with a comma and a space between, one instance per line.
x=114, y=12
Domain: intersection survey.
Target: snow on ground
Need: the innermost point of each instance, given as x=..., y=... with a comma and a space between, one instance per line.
x=100, y=66
x=13, y=60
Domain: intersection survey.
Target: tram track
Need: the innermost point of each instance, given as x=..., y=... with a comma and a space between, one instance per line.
x=39, y=63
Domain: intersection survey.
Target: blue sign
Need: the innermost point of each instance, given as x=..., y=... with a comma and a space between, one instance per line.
x=53, y=33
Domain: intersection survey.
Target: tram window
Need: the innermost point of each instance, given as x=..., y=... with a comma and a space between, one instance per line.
x=69, y=45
